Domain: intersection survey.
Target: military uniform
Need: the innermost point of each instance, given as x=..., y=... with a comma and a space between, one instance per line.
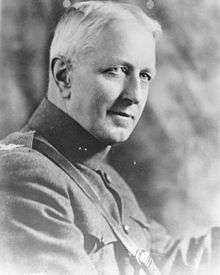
x=49, y=226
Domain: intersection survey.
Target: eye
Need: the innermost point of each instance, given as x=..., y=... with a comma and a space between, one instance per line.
x=116, y=71
x=146, y=76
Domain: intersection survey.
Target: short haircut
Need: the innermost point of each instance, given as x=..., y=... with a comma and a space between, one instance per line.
x=83, y=22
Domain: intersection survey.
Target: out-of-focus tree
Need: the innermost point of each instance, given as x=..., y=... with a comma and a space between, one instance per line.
x=172, y=161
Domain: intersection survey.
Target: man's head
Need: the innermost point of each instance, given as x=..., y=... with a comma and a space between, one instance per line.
x=102, y=60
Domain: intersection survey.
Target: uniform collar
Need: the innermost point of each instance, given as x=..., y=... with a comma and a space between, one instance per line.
x=64, y=133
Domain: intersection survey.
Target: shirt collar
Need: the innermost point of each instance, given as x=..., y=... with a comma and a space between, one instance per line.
x=64, y=133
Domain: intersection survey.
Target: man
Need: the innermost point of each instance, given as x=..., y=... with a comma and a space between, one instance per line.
x=54, y=180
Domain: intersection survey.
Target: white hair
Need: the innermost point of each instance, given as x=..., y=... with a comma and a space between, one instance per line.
x=82, y=23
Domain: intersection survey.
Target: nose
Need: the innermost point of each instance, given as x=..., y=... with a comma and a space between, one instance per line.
x=131, y=93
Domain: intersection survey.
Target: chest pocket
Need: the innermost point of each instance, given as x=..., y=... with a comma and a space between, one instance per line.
x=139, y=231
x=96, y=231
x=99, y=234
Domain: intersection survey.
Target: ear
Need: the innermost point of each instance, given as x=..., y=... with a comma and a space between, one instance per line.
x=60, y=69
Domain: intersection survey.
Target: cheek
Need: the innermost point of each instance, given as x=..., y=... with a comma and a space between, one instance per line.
x=143, y=102
x=105, y=94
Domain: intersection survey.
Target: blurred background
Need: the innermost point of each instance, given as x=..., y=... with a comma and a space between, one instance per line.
x=172, y=161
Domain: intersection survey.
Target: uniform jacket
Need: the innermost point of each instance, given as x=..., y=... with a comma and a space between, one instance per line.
x=48, y=225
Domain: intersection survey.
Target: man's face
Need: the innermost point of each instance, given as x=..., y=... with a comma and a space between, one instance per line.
x=110, y=83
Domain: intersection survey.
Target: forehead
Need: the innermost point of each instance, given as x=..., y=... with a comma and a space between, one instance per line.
x=125, y=40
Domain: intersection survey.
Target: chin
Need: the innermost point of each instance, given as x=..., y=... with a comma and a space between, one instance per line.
x=111, y=136
x=117, y=137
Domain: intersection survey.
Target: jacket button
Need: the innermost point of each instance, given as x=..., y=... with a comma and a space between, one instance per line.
x=107, y=178
x=126, y=228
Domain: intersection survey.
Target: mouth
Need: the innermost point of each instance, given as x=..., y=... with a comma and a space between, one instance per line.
x=122, y=114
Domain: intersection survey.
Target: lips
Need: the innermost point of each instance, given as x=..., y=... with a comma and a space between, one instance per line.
x=119, y=113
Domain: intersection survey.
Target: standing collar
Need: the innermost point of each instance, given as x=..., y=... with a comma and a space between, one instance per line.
x=66, y=135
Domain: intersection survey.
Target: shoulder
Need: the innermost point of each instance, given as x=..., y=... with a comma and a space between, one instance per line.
x=16, y=153
x=30, y=186
x=21, y=165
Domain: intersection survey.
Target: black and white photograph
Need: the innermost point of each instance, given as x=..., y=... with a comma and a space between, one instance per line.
x=110, y=137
